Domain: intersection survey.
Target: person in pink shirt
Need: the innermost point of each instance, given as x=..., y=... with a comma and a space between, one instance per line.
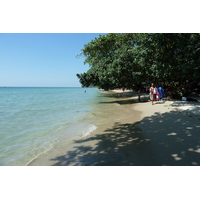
x=153, y=92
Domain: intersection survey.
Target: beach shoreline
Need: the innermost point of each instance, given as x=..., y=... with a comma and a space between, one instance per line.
x=132, y=133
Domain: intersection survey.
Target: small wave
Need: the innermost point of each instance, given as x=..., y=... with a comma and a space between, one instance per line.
x=67, y=136
x=36, y=155
x=88, y=130
x=75, y=131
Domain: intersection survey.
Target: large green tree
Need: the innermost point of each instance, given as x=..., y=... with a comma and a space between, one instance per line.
x=111, y=61
x=127, y=60
x=171, y=57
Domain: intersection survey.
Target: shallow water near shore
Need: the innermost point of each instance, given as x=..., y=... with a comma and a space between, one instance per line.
x=110, y=109
x=34, y=120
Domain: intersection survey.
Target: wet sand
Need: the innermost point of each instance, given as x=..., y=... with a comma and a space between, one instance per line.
x=132, y=133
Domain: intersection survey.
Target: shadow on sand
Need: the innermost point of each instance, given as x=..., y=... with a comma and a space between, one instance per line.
x=121, y=98
x=171, y=139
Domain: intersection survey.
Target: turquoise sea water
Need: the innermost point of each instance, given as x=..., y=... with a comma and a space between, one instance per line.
x=32, y=120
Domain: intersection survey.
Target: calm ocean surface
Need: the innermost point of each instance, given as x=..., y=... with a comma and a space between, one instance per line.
x=33, y=120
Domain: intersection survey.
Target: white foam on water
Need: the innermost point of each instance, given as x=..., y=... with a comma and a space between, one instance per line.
x=68, y=136
x=76, y=131
x=88, y=130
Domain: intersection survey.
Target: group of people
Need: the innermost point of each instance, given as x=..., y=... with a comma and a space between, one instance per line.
x=156, y=93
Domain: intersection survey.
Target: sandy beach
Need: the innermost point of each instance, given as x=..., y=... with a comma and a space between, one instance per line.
x=132, y=133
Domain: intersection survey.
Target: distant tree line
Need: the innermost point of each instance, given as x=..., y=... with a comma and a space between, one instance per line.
x=127, y=60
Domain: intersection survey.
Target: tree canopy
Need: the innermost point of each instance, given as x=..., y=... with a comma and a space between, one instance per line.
x=129, y=59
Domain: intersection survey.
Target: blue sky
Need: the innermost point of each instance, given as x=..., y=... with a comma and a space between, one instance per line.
x=42, y=59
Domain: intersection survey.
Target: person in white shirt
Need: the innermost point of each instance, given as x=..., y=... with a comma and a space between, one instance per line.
x=153, y=91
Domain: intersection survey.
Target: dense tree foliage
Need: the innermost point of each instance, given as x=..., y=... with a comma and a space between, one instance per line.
x=129, y=59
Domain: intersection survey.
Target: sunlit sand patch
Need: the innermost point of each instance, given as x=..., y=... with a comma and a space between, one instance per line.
x=133, y=139
x=175, y=156
x=172, y=134
x=194, y=163
x=197, y=150
x=189, y=128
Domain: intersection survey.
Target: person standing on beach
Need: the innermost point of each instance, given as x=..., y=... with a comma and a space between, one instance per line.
x=153, y=92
